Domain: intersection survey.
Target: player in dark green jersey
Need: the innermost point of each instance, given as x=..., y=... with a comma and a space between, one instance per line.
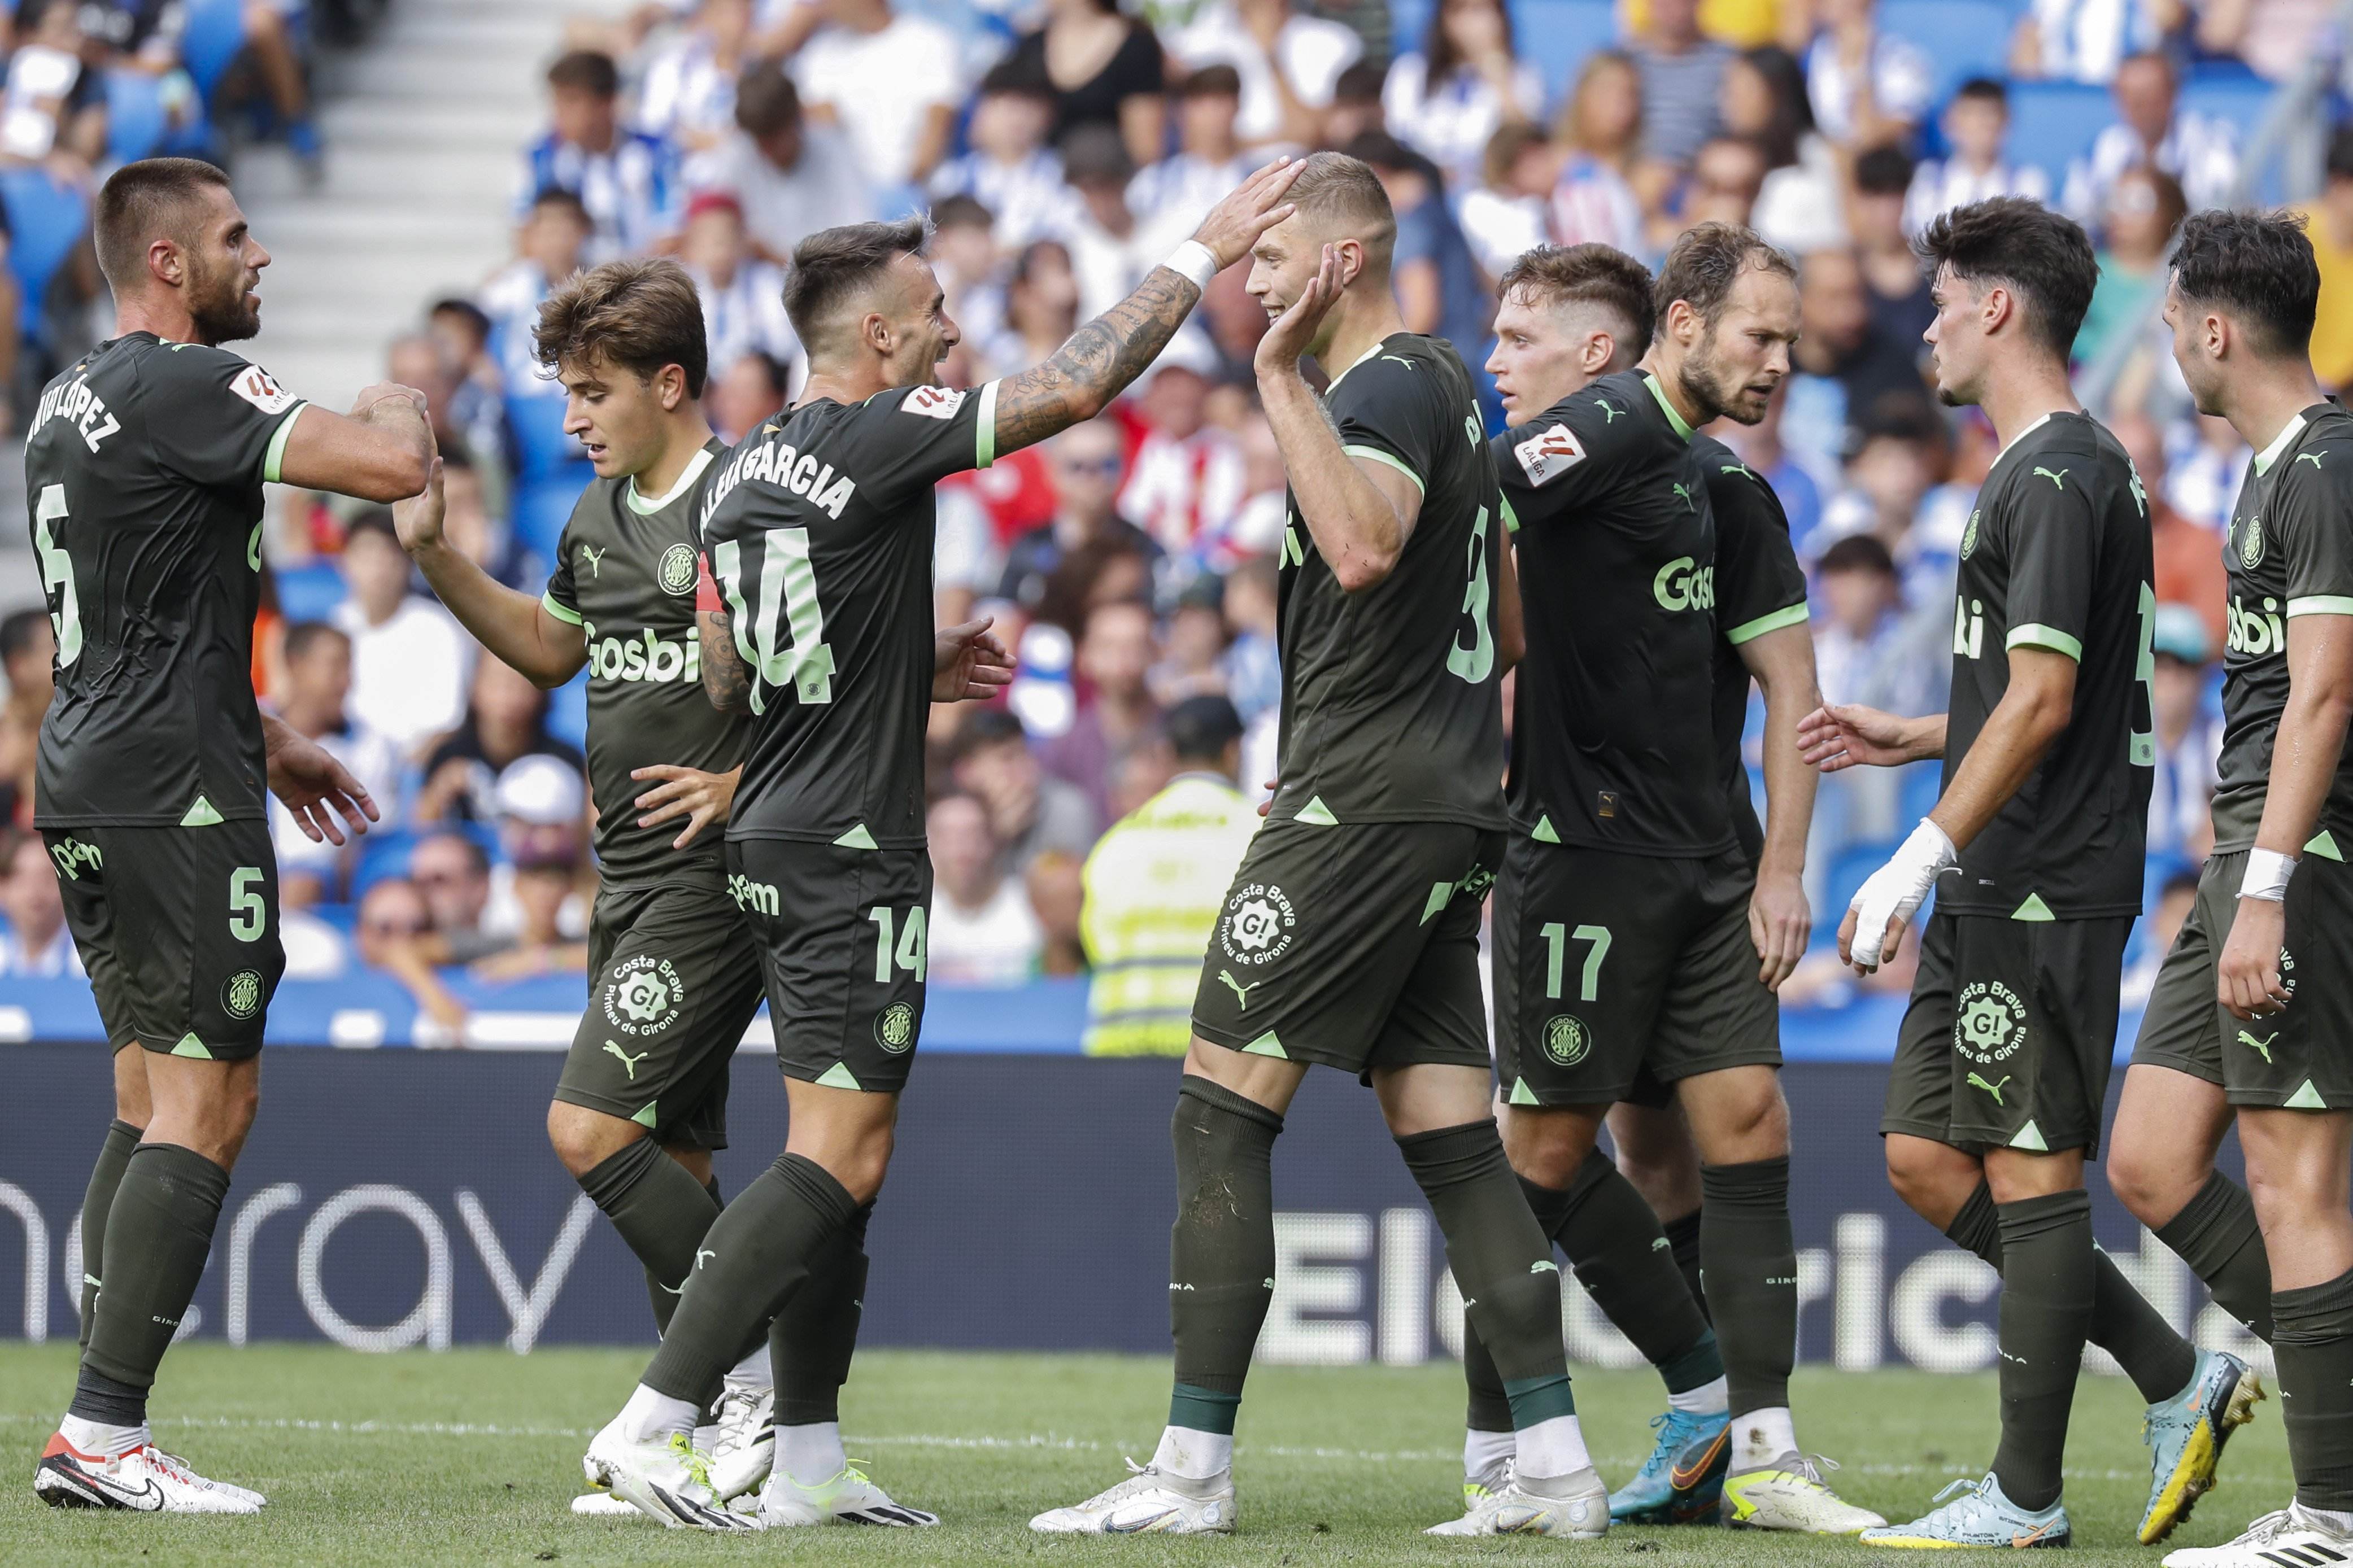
x=2001, y=1067
x=1350, y=935
x=2252, y=1018
x=818, y=533
x=144, y=467
x=1633, y=951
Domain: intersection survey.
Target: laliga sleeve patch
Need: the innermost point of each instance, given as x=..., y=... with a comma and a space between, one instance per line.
x=261, y=388
x=932, y=402
x=1548, y=454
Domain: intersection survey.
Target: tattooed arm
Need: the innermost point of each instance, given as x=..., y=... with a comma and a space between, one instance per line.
x=1108, y=352
x=725, y=680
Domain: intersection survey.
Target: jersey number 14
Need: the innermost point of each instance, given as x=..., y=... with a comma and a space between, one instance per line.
x=787, y=590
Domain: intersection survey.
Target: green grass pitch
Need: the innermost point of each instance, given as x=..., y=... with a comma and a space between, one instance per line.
x=472, y=1457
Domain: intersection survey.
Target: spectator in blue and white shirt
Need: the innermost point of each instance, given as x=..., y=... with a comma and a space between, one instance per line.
x=688, y=97
x=743, y=296
x=2082, y=40
x=1976, y=124
x=550, y=246
x=1867, y=85
x=1011, y=170
x=1448, y=100
x=627, y=179
x=789, y=177
x=1171, y=197
x=34, y=942
x=2199, y=152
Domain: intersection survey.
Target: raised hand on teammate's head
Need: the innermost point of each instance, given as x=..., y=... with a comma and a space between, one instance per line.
x=1286, y=341
x=1849, y=735
x=1249, y=210
x=416, y=522
x=969, y=664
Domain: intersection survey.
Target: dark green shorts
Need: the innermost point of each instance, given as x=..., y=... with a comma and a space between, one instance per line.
x=841, y=936
x=178, y=929
x=1616, y=973
x=1354, y=945
x=2300, y=1057
x=2010, y=1034
x=674, y=981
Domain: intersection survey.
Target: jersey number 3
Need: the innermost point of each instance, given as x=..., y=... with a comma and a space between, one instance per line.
x=787, y=589
x=1475, y=663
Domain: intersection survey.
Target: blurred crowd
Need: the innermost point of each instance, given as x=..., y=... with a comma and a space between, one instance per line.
x=1062, y=148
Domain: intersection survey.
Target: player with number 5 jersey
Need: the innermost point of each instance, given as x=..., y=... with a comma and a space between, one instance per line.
x=144, y=467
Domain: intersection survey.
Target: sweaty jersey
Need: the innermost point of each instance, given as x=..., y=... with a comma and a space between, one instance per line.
x=1759, y=588
x=1390, y=706
x=144, y=469
x=2290, y=553
x=2057, y=556
x=625, y=574
x=1613, y=740
x=818, y=526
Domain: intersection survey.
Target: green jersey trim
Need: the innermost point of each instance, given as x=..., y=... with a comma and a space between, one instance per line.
x=2051, y=637
x=1681, y=424
x=983, y=428
x=1511, y=518
x=275, y=457
x=2320, y=605
x=1377, y=455
x=644, y=508
x=1795, y=615
x=562, y=612
x=2271, y=454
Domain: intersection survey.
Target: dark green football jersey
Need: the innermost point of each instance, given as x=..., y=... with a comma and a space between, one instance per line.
x=1613, y=737
x=1391, y=709
x=625, y=574
x=1759, y=588
x=819, y=528
x=2057, y=556
x=2290, y=553
x=144, y=471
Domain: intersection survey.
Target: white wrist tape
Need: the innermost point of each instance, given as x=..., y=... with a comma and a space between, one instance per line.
x=1195, y=261
x=2268, y=874
x=1897, y=889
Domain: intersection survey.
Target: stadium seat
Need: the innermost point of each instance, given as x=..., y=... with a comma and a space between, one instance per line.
x=543, y=506
x=46, y=219
x=542, y=448
x=1409, y=23
x=383, y=853
x=1555, y=36
x=136, y=120
x=1849, y=869
x=308, y=593
x=567, y=712
x=1964, y=38
x=2051, y=123
x=215, y=38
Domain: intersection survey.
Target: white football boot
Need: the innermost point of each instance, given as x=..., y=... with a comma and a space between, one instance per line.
x=1574, y=1507
x=743, y=1442
x=604, y=1505
x=848, y=1497
x=144, y=1481
x=668, y=1479
x=1149, y=1502
x=2291, y=1536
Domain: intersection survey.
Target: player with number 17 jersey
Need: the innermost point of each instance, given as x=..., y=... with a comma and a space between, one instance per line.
x=1357, y=907
x=817, y=528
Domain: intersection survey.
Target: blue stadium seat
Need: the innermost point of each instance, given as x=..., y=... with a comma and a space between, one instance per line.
x=2053, y=123
x=136, y=122
x=1555, y=36
x=542, y=448
x=383, y=853
x=1964, y=38
x=45, y=220
x=215, y=38
x=543, y=506
x=308, y=593
x=567, y=711
x=1409, y=23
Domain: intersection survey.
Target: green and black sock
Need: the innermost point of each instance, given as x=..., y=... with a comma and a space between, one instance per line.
x=1502, y=1261
x=1221, y=1250
x=2217, y=1235
x=761, y=1250
x=2313, y=1348
x=113, y=1159
x=1751, y=1263
x=2159, y=1362
x=660, y=1210
x=2049, y=1280
x=159, y=1230
x=813, y=1338
x=1682, y=1241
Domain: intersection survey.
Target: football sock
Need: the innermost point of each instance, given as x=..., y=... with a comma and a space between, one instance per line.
x=810, y=1452
x=660, y=1210
x=1711, y=1398
x=113, y=1159
x=2216, y=1234
x=759, y=1251
x=1622, y=1259
x=1761, y=1437
x=812, y=1340
x=1551, y=1449
x=99, y=1440
x=1485, y=1448
x=650, y=1414
x=1220, y=1252
x=159, y=1230
x=2049, y=1280
x=2312, y=1347
x=1750, y=1257
x=1682, y=1241
x=1194, y=1455
x=2159, y=1362
x=1502, y=1263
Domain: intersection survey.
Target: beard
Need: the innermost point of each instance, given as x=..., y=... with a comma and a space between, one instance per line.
x=220, y=309
x=1712, y=389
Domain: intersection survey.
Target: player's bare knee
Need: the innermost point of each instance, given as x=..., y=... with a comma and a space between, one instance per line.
x=1545, y=1144
x=2153, y=1182
x=1933, y=1179
x=585, y=1139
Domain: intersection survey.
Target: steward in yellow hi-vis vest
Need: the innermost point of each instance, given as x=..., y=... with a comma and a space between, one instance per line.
x=1154, y=885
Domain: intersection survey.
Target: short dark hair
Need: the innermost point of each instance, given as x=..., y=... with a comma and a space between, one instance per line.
x=2259, y=267
x=1705, y=263
x=16, y=632
x=949, y=212
x=373, y=520
x=639, y=315
x=1856, y=553
x=568, y=200
x=302, y=634
x=832, y=265
x=2339, y=165
x=985, y=727
x=1588, y=274
x=1096, y=152
x=1212, y=81
x=2043, y=256
x=476, y=320
x=586, y=70
x=141, y=202
x=1018, y=80
x=1986, y=89
x=1200, y=729
x=1360, y=83
x=1883, y=171
x=478, y=859
x=766, y=102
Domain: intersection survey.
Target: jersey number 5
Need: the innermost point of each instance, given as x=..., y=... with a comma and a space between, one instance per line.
x=787, y=588
x=1475, y=663
x=56, y=573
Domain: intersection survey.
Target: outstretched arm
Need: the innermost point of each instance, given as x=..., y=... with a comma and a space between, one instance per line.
x=520, y=631
x=1105, y=355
